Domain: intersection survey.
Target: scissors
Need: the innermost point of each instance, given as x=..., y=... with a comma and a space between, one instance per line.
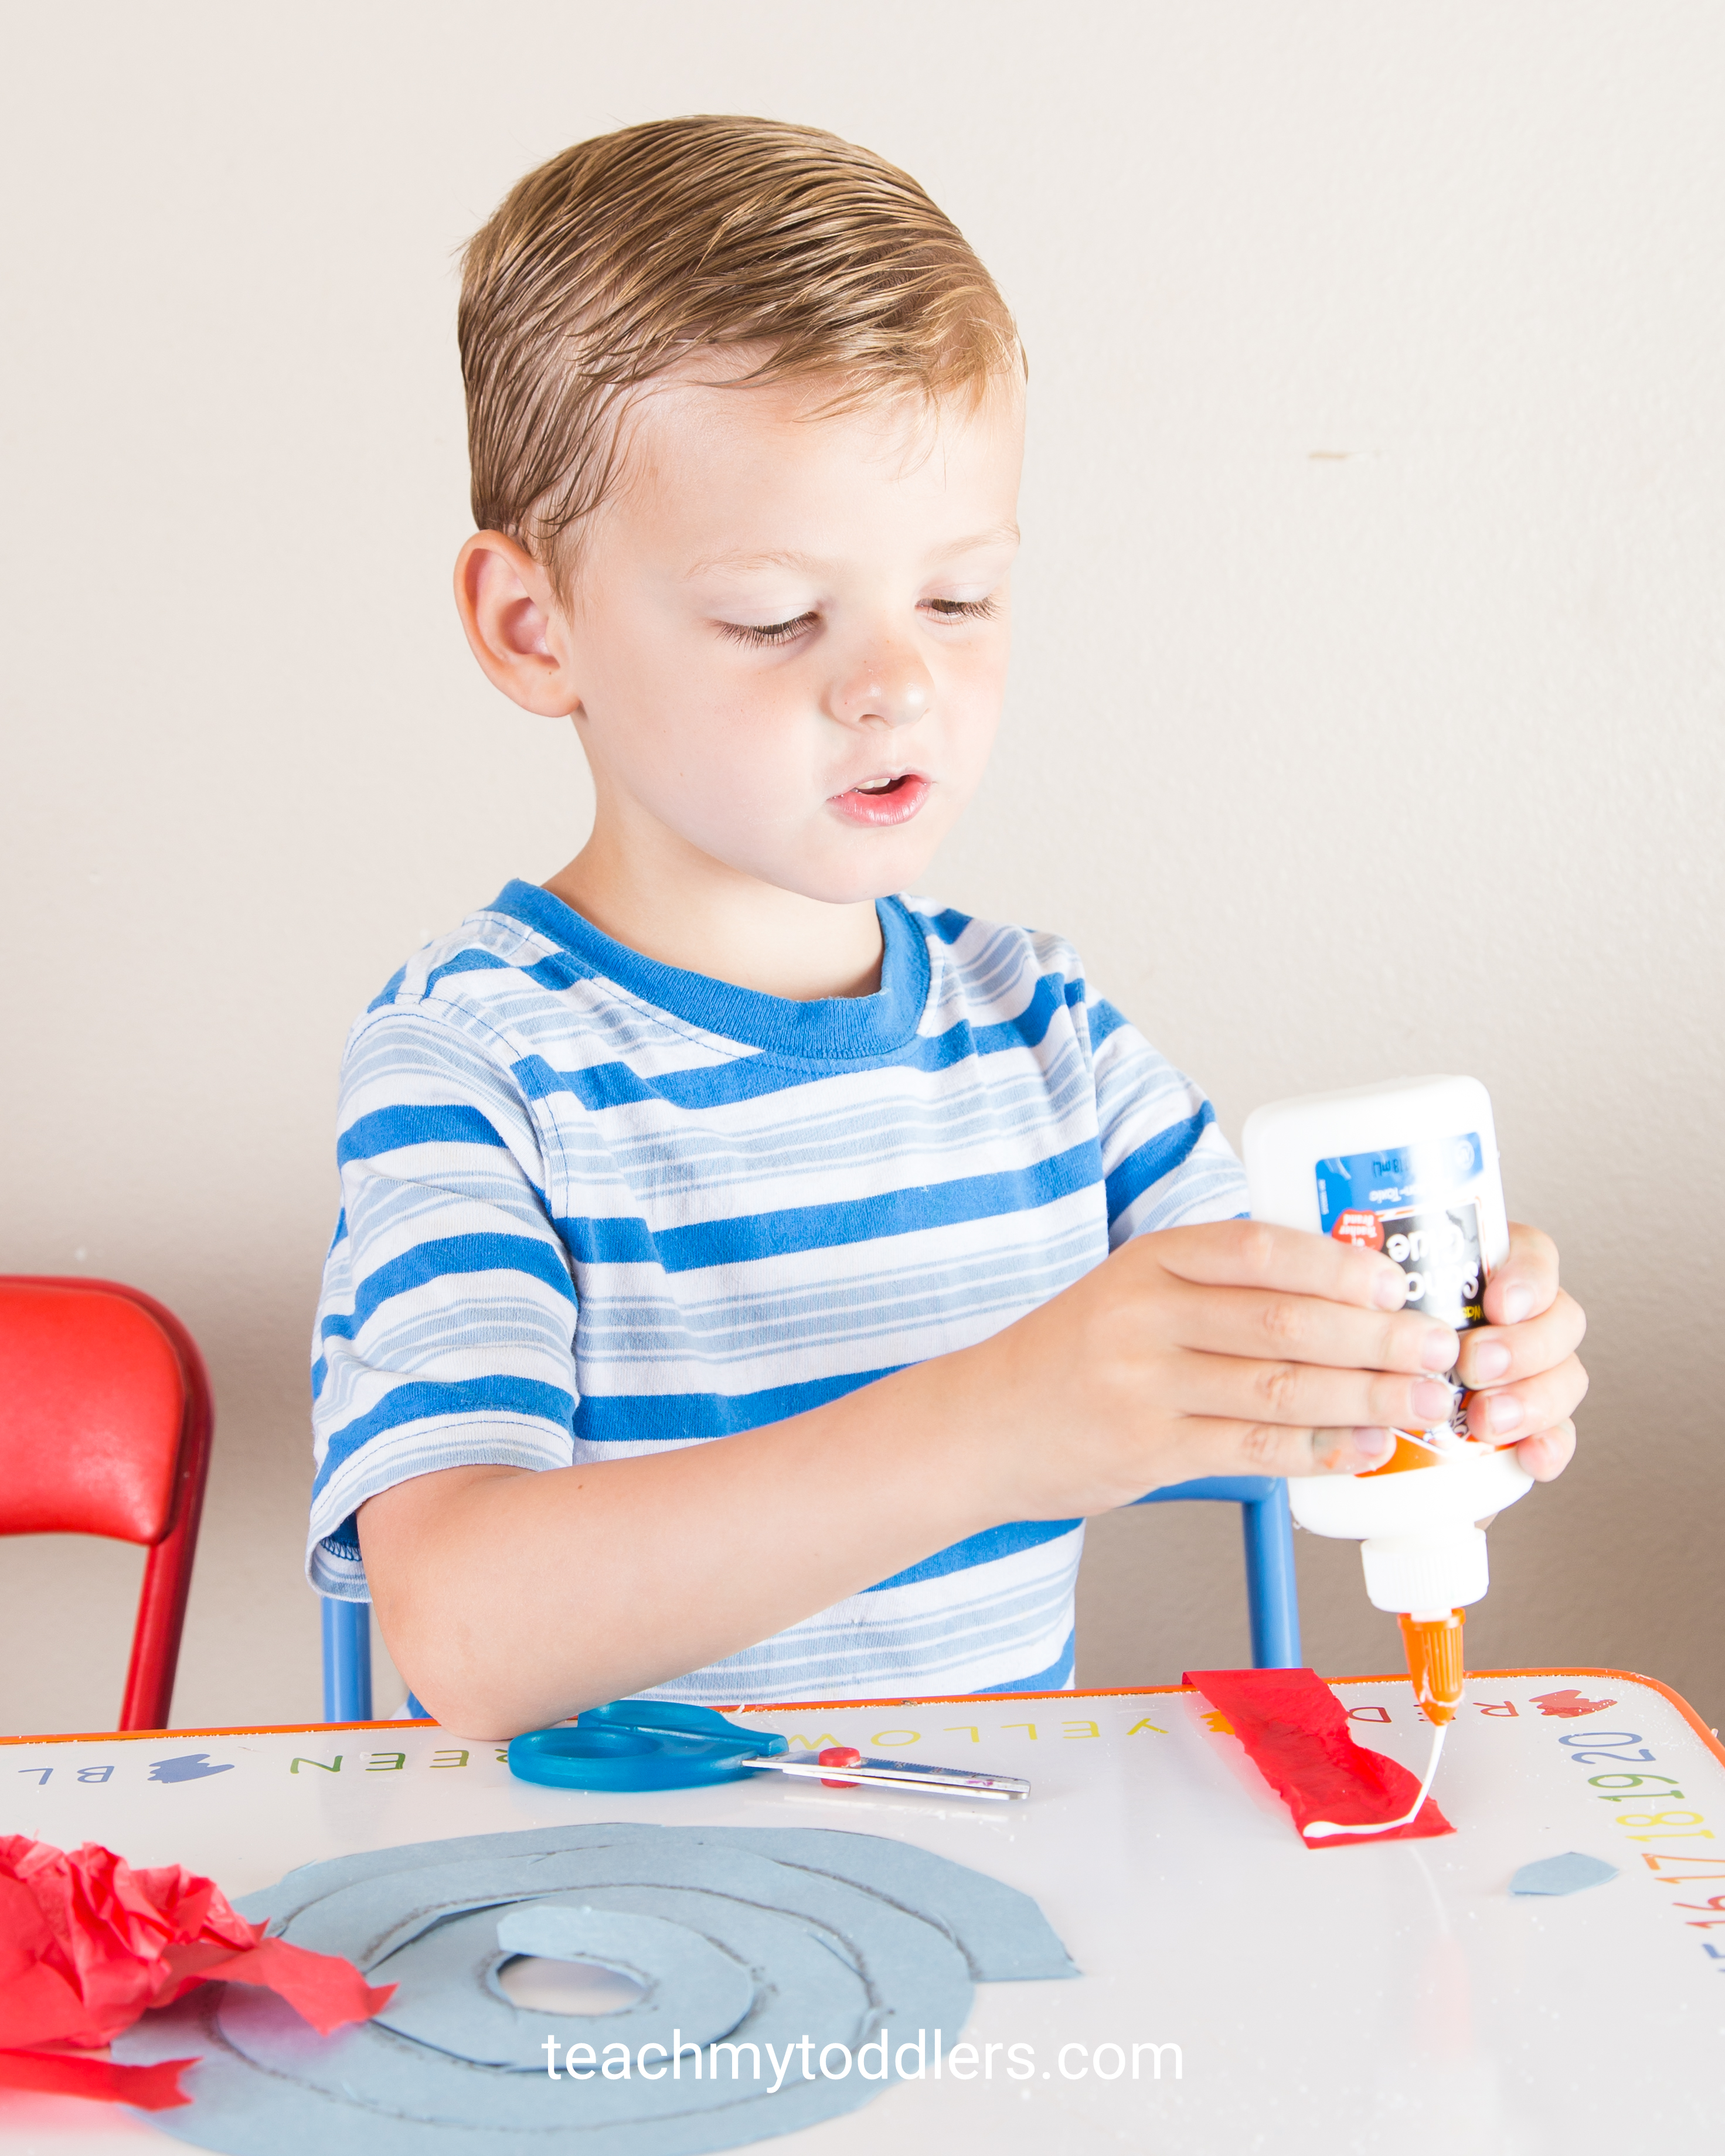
x=661, y=1744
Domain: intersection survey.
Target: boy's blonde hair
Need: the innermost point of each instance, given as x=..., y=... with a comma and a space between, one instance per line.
x=632, y=252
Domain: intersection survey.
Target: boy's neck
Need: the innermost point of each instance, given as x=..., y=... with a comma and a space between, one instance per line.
x=686, y=909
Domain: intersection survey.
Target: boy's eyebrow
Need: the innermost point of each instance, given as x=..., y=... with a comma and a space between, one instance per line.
x=1000, y=534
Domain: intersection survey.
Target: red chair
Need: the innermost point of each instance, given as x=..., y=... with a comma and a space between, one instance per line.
x=105, y=1430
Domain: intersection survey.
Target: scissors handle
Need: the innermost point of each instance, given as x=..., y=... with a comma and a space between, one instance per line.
x=641, y=1744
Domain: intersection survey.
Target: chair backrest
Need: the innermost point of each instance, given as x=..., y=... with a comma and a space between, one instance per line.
x=92, y=1406
x=1267, y=1528
x=105, y=1430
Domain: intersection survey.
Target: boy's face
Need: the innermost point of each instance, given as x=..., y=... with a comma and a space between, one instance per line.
x=787, y=640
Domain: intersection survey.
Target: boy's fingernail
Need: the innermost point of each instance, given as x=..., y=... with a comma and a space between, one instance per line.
x=1389, y=1290
x=1505, y=1413
x=1433, y=1402
x=1517, y=1301
x=1371, y=1446
x=1491, y=1359
x=1439, y=1349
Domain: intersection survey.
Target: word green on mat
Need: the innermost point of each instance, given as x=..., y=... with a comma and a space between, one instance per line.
x=738, y=1936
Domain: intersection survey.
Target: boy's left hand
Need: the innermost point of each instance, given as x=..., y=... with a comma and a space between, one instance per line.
x=1520, y=1369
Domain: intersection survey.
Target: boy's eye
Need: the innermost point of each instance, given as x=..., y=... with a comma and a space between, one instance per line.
x=784, y=632
x=777, y=632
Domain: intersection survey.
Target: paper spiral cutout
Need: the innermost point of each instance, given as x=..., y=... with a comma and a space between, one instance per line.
x=737, y=1936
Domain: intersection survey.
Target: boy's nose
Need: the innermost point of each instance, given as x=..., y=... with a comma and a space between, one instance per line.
x=893, y=690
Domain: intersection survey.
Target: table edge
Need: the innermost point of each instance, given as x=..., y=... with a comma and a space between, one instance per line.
x=1708, y=1737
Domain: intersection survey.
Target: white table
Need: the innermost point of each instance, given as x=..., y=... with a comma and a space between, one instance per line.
x=1389, y=1997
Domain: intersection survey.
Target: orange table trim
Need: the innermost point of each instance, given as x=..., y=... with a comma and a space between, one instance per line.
x=1708, y=1737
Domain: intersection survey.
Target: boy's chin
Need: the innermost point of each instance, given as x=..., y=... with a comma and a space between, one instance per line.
x=858, y=875
x=863, y=890
x=881, y=863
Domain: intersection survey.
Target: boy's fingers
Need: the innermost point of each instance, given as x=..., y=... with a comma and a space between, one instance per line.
x=1217, y=1446
x=1499, y=1355
x=1307, y=1329
x=1255, y=1254
x=1526, y=1283
x=1546, y=1456
x=1305, y=1395
x=1508, y=1412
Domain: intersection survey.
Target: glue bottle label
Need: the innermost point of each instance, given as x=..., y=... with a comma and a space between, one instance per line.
x=1418, y=1204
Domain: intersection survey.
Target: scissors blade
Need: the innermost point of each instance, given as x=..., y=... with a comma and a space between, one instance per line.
x=899, y=1773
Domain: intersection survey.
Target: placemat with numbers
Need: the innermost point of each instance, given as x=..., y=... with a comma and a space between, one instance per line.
x=1235, y=1984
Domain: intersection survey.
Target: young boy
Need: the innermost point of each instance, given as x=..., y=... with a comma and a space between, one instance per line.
x=713, y=1137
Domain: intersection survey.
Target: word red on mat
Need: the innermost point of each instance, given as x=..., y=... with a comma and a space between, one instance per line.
x=87, y=1944
x=1298, y=1736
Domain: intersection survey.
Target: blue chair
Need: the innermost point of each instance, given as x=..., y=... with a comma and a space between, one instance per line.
x=1272, y=1594
x=1272, y=1591
x=346, y=1660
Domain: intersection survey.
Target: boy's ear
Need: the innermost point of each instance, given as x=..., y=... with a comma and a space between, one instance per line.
x=515, y=625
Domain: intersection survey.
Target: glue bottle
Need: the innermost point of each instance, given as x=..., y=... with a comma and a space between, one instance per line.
x=1408, y=1167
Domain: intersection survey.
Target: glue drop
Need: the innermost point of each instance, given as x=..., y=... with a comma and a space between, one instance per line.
x=1408, y=1167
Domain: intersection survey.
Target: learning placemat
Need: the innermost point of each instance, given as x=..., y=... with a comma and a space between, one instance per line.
x=1235, y=1984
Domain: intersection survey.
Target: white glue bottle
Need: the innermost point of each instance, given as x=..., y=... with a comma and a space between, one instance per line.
x=1408, y=1167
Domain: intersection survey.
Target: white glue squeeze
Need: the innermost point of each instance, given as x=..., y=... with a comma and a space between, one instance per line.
x=1408, y=1167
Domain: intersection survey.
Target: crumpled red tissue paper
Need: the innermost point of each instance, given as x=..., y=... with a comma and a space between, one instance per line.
x=87, y=1944
x=1296, y=1734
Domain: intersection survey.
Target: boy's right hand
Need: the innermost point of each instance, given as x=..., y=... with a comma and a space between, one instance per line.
x=1231, y=1348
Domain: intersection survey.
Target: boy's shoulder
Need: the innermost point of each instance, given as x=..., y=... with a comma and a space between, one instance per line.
x=496, y=938
x=513, y=974
x=996, y=971
x=976, y=944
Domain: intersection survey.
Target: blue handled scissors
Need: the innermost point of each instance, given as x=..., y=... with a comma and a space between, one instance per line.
x=661, y=1744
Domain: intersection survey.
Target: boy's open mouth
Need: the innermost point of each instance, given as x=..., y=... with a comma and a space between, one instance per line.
x=893, y=799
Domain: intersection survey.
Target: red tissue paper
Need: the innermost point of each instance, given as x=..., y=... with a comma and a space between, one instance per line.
x=87, y=1944
x=1297, y=1735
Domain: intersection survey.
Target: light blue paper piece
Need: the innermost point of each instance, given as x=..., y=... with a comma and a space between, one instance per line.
x=1001, y=1932
x=752, y=1939
x=449, y=1995
x=1562, y=1875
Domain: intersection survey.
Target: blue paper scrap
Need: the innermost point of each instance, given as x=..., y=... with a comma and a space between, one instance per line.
x=745, y=1937
x=1562, y=1875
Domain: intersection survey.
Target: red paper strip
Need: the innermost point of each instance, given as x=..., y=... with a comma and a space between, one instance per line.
x=1298, y=1737
x=63, y=2073
x=87, y=1944
x=322, y=1988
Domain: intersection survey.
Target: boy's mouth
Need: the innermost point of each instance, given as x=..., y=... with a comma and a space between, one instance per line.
x=893, y=799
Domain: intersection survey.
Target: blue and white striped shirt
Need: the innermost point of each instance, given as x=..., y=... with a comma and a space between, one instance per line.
x=594, y=1206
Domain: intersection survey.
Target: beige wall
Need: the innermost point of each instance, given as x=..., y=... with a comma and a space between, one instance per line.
x=1367, y=714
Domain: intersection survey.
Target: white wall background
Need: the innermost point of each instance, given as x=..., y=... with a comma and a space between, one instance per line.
x=1366, y=714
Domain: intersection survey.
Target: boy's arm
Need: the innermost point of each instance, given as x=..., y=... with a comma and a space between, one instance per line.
x=511, y=1599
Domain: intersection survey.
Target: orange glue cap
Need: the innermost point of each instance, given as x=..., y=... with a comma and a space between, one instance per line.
x=1434, y=1650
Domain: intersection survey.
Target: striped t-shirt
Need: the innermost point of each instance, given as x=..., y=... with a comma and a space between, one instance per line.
x=594, y=1205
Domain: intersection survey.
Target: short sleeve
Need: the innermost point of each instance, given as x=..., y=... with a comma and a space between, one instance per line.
x=1165, y=1162
x=445, y=1331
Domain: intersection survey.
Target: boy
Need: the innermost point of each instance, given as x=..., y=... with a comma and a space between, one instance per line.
x=712, y=1137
